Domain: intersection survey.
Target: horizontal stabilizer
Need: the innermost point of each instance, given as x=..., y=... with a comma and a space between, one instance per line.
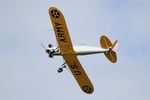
x=107, y=44
x=111, y=56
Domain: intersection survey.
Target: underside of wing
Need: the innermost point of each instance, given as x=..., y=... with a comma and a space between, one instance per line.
x=66, y=49
x=61, y=31
x=79, y=73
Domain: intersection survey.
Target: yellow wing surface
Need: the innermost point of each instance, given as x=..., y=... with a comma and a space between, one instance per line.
x=79, y=73
x=66, y=49
x=61, y=31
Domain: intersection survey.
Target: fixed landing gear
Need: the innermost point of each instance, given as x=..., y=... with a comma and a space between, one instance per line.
x=61, y=68
x=50, y=45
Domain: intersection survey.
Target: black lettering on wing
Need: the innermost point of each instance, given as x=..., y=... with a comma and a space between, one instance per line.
x=77, y=72
x=57, y=24
x=61, y=35
x=63, y=40
x=76, y=69
x=60, y=32
x=59, y=29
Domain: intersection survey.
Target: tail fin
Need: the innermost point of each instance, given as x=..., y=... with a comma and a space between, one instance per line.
x=107, y=44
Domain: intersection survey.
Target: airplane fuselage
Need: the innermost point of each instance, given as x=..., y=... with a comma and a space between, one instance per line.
x=82, y=50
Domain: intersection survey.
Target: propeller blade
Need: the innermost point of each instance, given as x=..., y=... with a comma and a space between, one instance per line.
x=43, y=46
x=56, y=48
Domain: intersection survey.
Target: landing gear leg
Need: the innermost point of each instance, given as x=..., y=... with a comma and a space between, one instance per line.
x=61, y=68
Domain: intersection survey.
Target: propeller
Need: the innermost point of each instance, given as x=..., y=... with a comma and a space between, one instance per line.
x=46, y=50
x=50, y=51
x=43, y=46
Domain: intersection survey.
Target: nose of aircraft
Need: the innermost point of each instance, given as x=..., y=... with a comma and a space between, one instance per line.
x=47, y=51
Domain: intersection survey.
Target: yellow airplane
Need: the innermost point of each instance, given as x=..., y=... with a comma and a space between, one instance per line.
x=70, y=52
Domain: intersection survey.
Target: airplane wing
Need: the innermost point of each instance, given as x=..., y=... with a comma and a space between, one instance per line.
x=79, y=73
x=66, y=49
x=61, y=31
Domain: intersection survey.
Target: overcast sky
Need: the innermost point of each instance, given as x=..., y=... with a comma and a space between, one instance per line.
x=26, y=72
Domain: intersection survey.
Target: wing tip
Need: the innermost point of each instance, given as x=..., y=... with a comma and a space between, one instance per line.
x=88, y=89
x=53, y=8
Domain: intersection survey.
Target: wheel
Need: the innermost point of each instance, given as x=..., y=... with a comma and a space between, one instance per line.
x=50, y=45
x=59, y=70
